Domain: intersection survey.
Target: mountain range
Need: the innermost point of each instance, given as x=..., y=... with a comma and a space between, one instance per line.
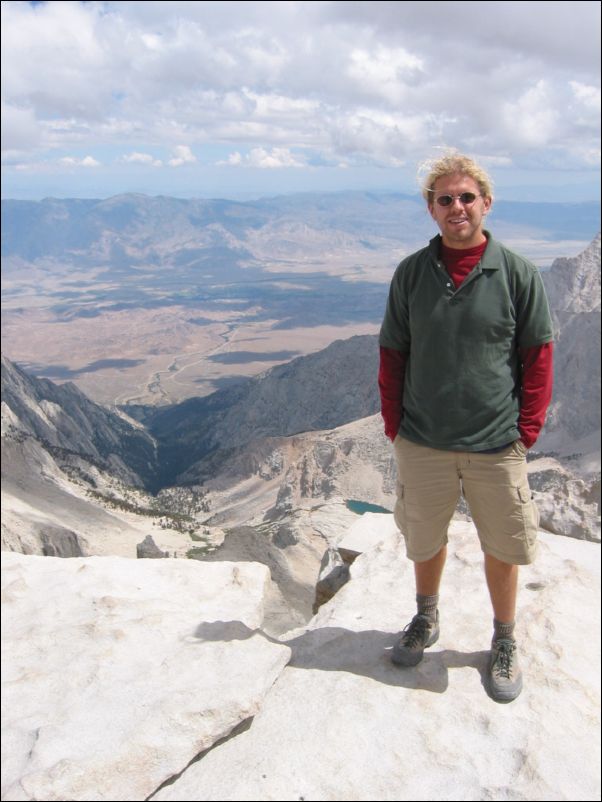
x=130, y=230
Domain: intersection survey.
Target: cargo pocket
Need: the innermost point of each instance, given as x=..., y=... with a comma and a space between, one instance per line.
x=530, y=515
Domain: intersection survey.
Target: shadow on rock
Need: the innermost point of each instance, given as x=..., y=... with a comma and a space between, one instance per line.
x=366, y=653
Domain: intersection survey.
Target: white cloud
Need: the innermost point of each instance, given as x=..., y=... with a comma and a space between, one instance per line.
x=142, y=158
x=182, y=155
x=589, y=96
x=493, y=161
x=55, y=59
x=233, y=160
x=281, y=107
x=384, y=72
x=54, y=166
x=73, y=161
x=532, y=118
x=276, y=158
x=34, y=167
x=585, y=155
x=20, y=129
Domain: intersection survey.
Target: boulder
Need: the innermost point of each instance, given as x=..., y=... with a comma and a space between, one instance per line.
x=118, y=672
x=148, y=549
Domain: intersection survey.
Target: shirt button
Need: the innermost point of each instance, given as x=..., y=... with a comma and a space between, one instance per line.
x=449, y=285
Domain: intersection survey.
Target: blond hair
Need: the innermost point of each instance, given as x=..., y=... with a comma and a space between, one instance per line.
x=450, y=164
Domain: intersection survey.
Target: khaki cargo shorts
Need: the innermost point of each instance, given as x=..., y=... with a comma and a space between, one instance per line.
x=495, y=487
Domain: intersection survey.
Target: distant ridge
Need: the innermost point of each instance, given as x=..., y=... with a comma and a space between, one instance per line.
x=320, y=391
x=64, y=226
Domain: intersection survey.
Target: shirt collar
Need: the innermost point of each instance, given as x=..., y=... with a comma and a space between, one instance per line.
x=492, y=258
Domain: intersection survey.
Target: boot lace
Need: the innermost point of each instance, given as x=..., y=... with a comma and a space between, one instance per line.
x=416, y=632
x=503, y=661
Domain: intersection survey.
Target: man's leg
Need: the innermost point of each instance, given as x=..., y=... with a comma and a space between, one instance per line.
x=423, y=630
x=502, y=581
x=428, y=488
x=428, y=574
x=497, y=489
x=505, y=676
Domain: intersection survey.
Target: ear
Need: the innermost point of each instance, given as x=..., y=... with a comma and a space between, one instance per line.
x=487, y=205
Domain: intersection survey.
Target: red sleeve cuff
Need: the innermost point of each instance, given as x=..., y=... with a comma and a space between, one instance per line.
x=391, y=376
x=536, y=391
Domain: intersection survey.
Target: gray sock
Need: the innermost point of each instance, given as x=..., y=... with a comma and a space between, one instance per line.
x=427, y=605
x=505, y=631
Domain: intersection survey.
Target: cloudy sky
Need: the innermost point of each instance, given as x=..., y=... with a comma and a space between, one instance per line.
x=241, y=99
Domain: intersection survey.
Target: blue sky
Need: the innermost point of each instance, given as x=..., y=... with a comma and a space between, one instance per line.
x=243, y=99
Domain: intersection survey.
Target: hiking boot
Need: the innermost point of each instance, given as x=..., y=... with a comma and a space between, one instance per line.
x=505, y=677
x=419, y=634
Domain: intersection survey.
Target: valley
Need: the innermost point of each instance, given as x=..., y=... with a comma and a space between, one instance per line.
x=160, y=356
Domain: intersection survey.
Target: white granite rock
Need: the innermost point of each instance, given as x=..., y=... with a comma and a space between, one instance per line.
x=342, y=722
x=117, y=672
x=368, y=532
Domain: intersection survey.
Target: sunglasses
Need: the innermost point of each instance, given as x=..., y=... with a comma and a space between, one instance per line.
x=465, y=198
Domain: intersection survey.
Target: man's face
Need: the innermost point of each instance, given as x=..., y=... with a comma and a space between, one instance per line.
x=461, y=224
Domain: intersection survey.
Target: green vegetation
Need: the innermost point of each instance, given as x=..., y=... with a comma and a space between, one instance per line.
x=199, y=553
x=173, y=508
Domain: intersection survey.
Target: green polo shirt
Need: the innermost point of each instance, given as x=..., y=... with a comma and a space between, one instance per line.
x=463, y=372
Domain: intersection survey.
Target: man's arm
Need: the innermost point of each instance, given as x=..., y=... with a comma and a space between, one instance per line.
x=391, y=375
x=536, y=390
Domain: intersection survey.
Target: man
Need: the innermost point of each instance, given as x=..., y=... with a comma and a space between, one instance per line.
x=465, y=380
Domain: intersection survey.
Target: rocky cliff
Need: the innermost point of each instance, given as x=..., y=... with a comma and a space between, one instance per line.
x=573, y=287
x=66, y=423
